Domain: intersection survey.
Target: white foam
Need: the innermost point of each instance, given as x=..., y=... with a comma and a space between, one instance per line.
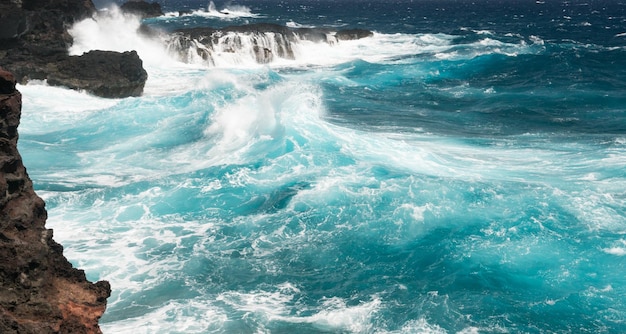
x=293, y=24
x=184, y=316
x=421, y=326
x=336, y=315
x=254, y=117
x=619, y=250
x=239, y=131
x=597, y=208
x=229, y=12
x=378, y=48
x=537, y=40
x=484, y=32
x=46, y=108
x=269, y=305
x=489, y=46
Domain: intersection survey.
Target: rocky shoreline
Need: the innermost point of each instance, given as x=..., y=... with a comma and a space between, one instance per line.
x=40, y=290
x=34, y=45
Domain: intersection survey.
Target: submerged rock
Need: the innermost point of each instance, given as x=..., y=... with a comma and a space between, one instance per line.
x=40, y=291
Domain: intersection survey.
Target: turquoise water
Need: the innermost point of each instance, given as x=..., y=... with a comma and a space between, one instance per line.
x=461, y=171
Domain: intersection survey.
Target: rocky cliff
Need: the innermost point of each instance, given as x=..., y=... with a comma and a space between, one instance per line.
x=34, y=43
x=40, y=291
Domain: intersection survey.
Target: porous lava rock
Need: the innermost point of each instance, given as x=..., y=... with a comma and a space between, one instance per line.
x=40, y=291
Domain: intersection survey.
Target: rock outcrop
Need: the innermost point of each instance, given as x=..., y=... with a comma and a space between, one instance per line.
x=265, y=40
x=104, y=73
x=40, y=291
x=34, y=43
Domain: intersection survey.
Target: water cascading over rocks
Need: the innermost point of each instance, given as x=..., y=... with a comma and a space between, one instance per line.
x=264, y=42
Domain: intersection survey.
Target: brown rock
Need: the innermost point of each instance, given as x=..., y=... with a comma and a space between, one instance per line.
x=40, y=291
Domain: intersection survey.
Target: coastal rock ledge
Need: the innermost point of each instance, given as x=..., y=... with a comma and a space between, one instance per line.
x=34, y=44
x=40, y=291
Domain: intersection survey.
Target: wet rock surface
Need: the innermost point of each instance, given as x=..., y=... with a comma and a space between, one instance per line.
x=40, y=291
x=268, y=40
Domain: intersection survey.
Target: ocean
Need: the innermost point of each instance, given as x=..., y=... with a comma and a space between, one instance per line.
x=463, y=170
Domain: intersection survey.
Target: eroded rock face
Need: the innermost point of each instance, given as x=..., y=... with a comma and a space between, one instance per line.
x=40, y=291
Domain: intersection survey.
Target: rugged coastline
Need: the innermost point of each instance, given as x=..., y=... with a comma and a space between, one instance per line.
x=41, y=291
x=33, y=46
x=34, y=43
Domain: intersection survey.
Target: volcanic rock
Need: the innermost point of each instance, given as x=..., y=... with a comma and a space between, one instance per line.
x=34, y=43
x=104, y=73
x=40, y=291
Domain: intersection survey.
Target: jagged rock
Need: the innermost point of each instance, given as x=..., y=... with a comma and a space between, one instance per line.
x=34, y=43
x=104, y=73
x=40, y=291
x=142, y=8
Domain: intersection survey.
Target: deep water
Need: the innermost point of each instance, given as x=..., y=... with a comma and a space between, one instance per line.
x=461, y=171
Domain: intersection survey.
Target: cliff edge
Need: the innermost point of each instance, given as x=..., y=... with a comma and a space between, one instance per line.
x=40, y=291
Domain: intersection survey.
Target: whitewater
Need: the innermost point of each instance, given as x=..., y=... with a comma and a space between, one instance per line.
x=463, y=170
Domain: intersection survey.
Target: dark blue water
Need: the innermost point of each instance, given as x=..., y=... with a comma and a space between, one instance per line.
x=461, y=171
